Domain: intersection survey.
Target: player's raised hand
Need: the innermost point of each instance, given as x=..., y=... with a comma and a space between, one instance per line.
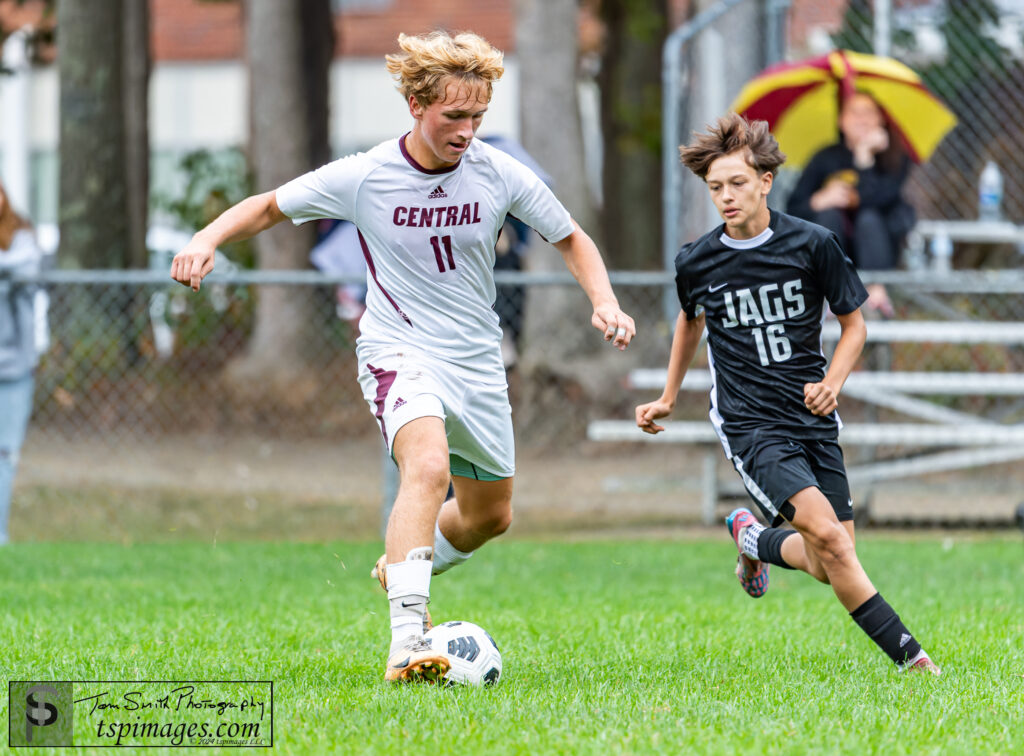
x=646, y=414
x=193, y=263
x=820, y=399
x=616, y=325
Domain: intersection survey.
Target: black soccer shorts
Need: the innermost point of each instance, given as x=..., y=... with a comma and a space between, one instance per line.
x=774, y=469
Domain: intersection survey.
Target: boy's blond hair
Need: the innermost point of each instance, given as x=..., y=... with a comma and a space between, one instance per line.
x=426, y=60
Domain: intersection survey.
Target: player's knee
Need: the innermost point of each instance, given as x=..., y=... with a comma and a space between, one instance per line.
x=831, y=544
x=496, y=521
x=428, y=471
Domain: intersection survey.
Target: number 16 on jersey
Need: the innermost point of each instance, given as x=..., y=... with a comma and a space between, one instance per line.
x=777, y=343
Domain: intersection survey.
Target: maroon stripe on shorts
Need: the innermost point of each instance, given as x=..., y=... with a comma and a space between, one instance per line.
x=384, y=380
x=373, y=273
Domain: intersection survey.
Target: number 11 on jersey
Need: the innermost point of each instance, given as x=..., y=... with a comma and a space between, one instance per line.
x=436, y=242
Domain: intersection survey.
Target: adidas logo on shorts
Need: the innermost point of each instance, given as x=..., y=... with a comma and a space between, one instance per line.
x=398, y=403
x=438, y=193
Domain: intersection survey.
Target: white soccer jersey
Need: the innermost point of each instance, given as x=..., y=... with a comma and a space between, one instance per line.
x=428, y=237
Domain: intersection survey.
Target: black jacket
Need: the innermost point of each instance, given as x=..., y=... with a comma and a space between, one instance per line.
x=877, y=188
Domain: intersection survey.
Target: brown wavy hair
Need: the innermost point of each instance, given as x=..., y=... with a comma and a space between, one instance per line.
x=10, y=221
x=428, y=59
x=729, y=134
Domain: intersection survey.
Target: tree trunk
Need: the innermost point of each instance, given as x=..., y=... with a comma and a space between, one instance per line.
x=93, y=213
x=630, y=82
x=546, y=49
x=317, y=54
x=280, y=147
x=136, y=125
x=563, y=358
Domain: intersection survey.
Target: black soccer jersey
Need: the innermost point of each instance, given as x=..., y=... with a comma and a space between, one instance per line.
x=764, y=307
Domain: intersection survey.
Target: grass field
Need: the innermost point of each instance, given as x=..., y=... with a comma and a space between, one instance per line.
x=609, y=647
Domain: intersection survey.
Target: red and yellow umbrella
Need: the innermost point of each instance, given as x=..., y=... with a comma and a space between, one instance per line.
x=800, y=102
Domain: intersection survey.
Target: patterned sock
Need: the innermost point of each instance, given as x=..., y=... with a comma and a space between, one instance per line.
x=748, y=539
x=409, y=594
x=446, y=556
x=883, y=626
x=769, y=546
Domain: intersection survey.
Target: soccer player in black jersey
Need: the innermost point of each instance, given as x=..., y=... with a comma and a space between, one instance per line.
x=759, y=284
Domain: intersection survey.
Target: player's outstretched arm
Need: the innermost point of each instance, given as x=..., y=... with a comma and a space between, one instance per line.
x=244, y=220
x=584, y=262
x=685, y=341
x=823, y=398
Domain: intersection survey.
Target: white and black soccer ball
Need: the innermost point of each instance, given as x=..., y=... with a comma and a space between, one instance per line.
x=472, y=652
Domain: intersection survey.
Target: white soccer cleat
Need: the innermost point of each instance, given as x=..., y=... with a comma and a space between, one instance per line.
x=380, y=572
x=923, y=665
x=416, y=661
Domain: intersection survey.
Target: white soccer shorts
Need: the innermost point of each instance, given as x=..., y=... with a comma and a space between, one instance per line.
x=401, y=384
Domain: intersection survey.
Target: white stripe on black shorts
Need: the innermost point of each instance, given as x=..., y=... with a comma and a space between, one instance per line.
x=773, y=469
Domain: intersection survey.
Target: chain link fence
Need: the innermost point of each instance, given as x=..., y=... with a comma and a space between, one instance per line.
x=132, y=360
x=150, y=385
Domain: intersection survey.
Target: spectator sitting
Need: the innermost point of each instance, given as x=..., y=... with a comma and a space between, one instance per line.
x=853, y=188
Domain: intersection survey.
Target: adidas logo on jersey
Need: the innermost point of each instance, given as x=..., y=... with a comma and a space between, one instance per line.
x=398, y=403
x=438, y=193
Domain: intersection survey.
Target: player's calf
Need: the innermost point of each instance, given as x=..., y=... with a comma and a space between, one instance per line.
x=446, y=555
x=881, y=623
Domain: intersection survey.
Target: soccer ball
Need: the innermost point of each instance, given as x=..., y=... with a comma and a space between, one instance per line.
x=474, y=656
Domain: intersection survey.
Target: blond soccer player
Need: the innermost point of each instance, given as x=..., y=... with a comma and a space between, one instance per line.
x=428, y=207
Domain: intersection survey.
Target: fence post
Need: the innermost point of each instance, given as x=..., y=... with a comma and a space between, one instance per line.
x=882, y=42
x=776, y=13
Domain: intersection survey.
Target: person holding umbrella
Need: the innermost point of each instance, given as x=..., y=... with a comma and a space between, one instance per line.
x=854, y=189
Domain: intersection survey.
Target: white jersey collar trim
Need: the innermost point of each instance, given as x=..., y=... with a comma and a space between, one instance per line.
x=755, y=241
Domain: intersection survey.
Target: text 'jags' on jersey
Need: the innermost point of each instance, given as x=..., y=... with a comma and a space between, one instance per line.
x=763, y=299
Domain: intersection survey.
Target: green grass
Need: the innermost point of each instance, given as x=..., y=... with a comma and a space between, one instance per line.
x=609, y=647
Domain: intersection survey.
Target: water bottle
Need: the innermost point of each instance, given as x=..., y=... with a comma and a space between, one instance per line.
x=990, y=193
x=942, y=253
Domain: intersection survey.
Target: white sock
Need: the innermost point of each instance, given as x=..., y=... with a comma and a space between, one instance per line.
x=408, y=594
x=446, y=556
x=749, y=538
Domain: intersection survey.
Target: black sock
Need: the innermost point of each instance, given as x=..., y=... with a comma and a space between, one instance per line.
x=769, y=546
x=883, y=626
